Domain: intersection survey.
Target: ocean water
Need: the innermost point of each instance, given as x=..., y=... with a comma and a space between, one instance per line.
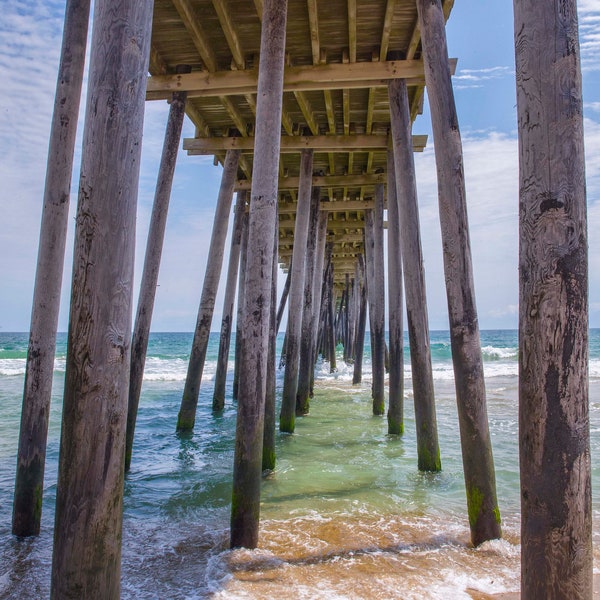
x=346, y=513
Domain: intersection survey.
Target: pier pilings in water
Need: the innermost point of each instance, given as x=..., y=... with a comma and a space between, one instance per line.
x=478, y=462
x=228, y=302
x=403, y=169
x=296, y=297
x=154, y=246
x=97, y=433
x=554, y=437
x=247, y=467
x=89, y=495
x=31, y=455
x=189, y=402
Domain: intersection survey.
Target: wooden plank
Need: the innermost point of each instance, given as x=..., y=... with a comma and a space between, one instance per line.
x=386, y=29
x=299, y=79
x=313, y=20
x=192, y=23
x=324, y=143
x=230, y=33
x=289, y=183
x=352, y=30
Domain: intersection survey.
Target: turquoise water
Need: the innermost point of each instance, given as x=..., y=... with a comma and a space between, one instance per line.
x=346, y=514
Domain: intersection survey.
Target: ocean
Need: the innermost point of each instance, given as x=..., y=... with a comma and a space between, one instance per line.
x=345, y=515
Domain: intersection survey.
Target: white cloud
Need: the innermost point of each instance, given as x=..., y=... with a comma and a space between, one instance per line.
x=589, y=34
x=476, y=78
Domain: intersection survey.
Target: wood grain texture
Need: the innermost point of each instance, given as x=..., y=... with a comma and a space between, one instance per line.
x=478, y=463
x=214, y=262
x=39, y=370
x=556, y=524
x=89, y=497
x=245, y=509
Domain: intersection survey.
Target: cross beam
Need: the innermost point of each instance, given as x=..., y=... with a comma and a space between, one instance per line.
x=296, y=79
x=291, y=144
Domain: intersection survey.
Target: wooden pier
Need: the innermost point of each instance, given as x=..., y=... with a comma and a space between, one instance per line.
x=310, y=108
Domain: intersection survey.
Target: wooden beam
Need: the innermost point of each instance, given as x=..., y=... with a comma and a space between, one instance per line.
x=319, y=143
x=192, y=23
x=307, y=111
x=387, y=28
x=230, y=34
x=290, y=183
x=352, y=30
x=302, y=78
x=313, y=20
x=336, y=206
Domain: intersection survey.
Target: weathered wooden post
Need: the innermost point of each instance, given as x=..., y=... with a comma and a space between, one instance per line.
x=361, y=323
x=330, y=331
x=318, y=290
x=240, y=305
x=308, y=312
x=478, y=462
x=376, y=294
x=89, y=496
x=154, y=245
x=214, y=262
x=287, y=418
x=428, y=449
x=283, y=299
x=395, y=413
x=31, y=457
x=228, y=301
x=351, y=321
x=269, y=457
x=556, y=521
x=247, y=466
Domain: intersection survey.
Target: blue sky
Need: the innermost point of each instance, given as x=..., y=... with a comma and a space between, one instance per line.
x=480, y=35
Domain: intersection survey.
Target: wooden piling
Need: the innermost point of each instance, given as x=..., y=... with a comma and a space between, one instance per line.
x=554, y=446
x=376, y=295
x=228, y=301
x=283, y=300
x=247, y=466
x=330, y=329
x=395, y=415
x=308, y=313
x=361, y=323
x=478, y=462
x=269, y=457
x=414, y=277
x=89, y=495
x=287, y=418
x=154, y=245
x=189, y=402
x=39, y=370
x=318, y=291
x=240, y=305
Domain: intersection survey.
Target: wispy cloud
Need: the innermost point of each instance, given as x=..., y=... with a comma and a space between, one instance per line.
x=476, y=78
x=589, y=34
